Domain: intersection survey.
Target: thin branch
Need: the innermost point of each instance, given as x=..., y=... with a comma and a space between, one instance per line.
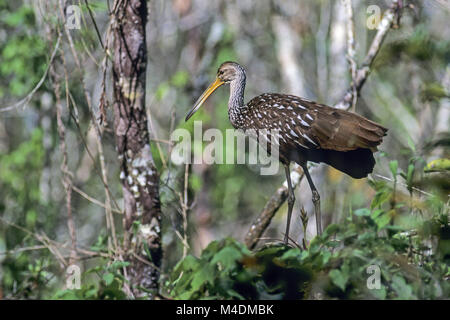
x=67, y=175
x=95, y=23
x=98, y=132
x=185, y=209
x=351, y=50
x=362, y=73
x=93, y=200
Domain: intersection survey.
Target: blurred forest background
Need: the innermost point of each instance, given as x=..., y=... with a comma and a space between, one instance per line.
x=397, y=218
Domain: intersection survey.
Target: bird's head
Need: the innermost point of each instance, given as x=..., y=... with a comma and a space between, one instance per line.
x=226, y=74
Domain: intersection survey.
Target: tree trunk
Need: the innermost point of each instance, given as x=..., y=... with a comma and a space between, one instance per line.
x=140, y=180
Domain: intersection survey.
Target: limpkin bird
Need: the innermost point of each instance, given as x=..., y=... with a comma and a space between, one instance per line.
x=308, y=131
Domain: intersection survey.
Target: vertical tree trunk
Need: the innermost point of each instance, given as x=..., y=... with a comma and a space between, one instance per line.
x=140, y=180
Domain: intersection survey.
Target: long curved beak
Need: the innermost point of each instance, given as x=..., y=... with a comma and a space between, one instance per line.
x=217, y=83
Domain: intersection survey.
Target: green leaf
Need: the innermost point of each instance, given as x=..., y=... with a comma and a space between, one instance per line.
x=411, y=144
x=205, y=275
x=438, y=165
x=393, y=166
x=364, y=212
x=376, y=213
x=410, y=174
x=330, y=230
x=118, y=265
x=403, y=290
x=379, y=294
x=339, y=278
x=383, y=220
x=380, y=197
x=294, y=253
x=108, y=278
x=227, y=258
x=187, y=264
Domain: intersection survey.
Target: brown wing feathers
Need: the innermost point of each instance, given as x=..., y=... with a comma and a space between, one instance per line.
x=314, y=132
x=344, y=131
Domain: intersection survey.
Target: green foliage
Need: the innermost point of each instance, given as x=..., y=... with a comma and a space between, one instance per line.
x=336, y=265
x=108, y=286
x=27, y=157
x=228, y=270
x=21, y=203
x=438, y=165
x=21, y=67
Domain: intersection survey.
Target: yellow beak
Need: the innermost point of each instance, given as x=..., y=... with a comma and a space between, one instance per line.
x=204, y=96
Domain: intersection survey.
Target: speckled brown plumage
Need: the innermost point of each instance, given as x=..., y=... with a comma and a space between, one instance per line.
x=309, y=131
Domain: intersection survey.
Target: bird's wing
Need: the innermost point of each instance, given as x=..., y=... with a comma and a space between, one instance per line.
x=305, y=123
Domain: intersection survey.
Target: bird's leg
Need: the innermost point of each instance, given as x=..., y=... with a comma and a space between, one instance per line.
x=291, y=200
x=315, y=199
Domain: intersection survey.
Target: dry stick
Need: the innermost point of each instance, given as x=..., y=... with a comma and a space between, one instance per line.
x=48, y=244
x=362, y=72
x=67, y=175
x=41, y=239
x=97, y=131
x=183, y=198
x=351, y=50
x=103, y=176
x=109, y=216
x=279, y=197
x=93, y=200
x=185, y=208
x=88, y=151
x=95, y=23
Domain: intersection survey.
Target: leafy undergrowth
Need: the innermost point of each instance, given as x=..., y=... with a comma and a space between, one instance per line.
x=355, y=260
x=399, y=248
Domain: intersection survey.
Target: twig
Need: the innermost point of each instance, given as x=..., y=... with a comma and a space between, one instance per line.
x=185, y=209
x=109, y=217
x=403, y=184
x=362, y=73
x=93, y=200
x=42, y=239
x=304, y=217
x=351, y=50
x=67, y=175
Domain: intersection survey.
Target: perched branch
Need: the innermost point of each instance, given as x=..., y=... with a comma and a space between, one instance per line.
x=362, y=73
x=279, y=197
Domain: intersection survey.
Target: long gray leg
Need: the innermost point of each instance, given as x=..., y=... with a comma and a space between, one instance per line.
x=315, y=199
x=291, y=200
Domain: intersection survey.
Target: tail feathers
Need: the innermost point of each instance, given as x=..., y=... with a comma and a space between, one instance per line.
x=344, y=131
x=369, y=134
